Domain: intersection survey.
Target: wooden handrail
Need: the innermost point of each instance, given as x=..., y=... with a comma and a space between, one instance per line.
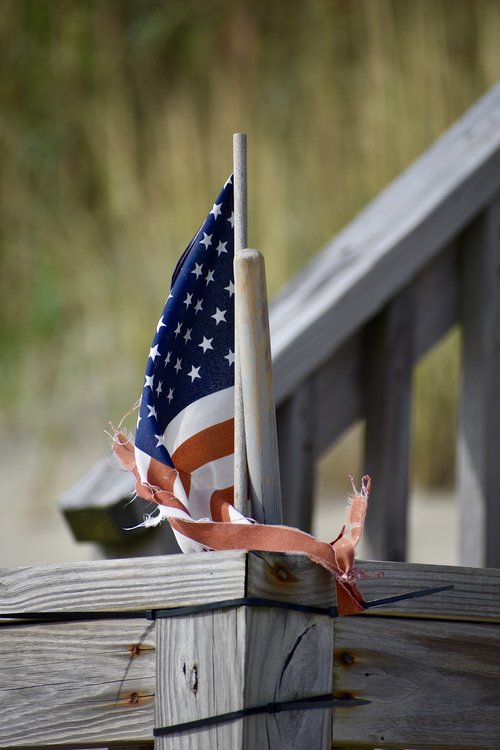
x=386, y=245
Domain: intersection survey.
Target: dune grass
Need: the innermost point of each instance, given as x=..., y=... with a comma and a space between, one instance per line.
x=116, y=134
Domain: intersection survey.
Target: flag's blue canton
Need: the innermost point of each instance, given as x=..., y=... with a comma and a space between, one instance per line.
x=192, y=354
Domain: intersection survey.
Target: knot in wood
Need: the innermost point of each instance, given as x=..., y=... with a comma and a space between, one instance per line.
x=347, y=658
x=282, y=574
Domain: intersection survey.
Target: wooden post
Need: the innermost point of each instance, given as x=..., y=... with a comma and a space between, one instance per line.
x=297, y=457
x=222, y=661
x=252, y=324
x=388, y=365
x=256, y=447
x=478, y=462
x=240, y=242
x=200, y=673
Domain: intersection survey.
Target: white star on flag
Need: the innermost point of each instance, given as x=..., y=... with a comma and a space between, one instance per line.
x=153, y=353
x=198, y=267
x=216, y=210
x=219, y=316
x=194, y=373
x=206, y=344
x=207, y=240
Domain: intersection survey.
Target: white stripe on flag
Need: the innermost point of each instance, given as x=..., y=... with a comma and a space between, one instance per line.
x=216, y=475
x=199, y=415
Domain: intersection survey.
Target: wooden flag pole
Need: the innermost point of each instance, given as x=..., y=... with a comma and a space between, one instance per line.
x=240, y=242
x=255, y=441
x=252, y=326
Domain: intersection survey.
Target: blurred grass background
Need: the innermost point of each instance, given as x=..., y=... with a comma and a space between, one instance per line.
x=115, y=135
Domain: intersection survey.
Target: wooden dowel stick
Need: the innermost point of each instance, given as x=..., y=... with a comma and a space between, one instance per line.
x=240, y=242
x=252, y=324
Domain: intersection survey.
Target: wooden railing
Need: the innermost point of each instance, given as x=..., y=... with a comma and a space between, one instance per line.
x=347, y=331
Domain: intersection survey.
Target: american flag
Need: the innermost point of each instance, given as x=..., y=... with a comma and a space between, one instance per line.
x=184, y=442
x=183, y=457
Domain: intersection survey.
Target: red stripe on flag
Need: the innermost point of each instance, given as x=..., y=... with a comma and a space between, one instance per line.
x=208, y=445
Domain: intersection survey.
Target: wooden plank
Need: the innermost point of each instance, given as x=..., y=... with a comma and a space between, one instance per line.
x=478, y=466
x=475, y=595
x=77, y=684
x=338, y=393
x=296, y=457
x=436, y=300
x=430, y=684
x=386, y=245
x=288, y=653
x=388, y=379
x=252, y=321
x=288, y=656
x=200, y=673
x=172, y=580
x=289, y=578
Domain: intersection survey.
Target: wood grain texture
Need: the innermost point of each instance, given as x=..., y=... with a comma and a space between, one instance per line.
x=200, y=673
x=386, y=245
x=218, y=662
x=291, y=578
x=171, y=580
x=77, y=684
x=252, y=325
x=475, y=595
x=288, y=653
x=429, y=685
x=478, y=465
x=388, y=381
x=288, y=656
